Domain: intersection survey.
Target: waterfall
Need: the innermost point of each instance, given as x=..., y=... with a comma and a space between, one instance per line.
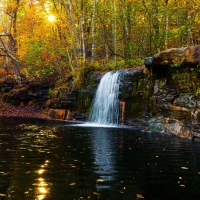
x=105, y=108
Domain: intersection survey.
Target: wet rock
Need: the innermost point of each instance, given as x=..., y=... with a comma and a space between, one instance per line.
x=178, y=57
x=75, y=115
x=148, y=62
x=57, y=114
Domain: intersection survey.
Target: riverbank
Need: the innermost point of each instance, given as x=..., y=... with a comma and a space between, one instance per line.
x=26, y=111
x=29, y=111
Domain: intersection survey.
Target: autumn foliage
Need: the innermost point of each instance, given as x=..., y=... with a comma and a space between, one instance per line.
x=59, y=36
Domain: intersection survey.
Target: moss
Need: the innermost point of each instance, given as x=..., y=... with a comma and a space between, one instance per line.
x=176, y=64
x=135, y=92
x=79, y=75
x=2, y=105
x=14, y=102
x=187, y=81
x=84, y=101
x=7, y=97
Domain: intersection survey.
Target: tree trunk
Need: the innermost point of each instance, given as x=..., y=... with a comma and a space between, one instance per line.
x=166, y=26
x=81, y=20
x=114, y=32
x=93, y=29
x=15, y=62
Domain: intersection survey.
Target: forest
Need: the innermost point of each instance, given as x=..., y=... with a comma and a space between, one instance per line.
x=69, y=38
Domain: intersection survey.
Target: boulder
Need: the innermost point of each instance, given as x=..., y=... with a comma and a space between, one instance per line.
x=175, y=57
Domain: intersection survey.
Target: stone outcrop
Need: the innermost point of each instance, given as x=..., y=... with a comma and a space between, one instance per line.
x=175, y=57
x=26, y=91
x=176, y=91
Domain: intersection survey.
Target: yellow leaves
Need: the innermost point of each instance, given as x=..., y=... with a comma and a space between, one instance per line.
x=10, y=7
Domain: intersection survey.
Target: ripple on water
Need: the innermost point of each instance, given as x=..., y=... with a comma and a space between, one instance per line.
x=95, y=163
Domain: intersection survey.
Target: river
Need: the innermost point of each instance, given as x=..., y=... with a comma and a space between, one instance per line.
x=54, y=160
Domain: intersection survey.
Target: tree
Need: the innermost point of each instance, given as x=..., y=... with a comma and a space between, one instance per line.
x=11, y=9
x=90, y=31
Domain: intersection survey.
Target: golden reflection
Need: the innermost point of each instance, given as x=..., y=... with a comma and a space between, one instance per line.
x=41, y=197
x=40, y=171
x=42, y=186
x=42, y=190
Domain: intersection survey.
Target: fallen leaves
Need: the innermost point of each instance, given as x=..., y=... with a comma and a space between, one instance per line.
x=139, y=196
x=184, y=168
x=4, y=173
x=182, y=185
x=95, y=193
x=100, y=180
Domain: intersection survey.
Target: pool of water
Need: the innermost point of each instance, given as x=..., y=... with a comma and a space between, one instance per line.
x=54, y=160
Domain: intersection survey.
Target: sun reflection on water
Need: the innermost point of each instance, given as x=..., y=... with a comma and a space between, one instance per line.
x=41, y=197
x=42, y=186
x=40, y=171
x=42, y=190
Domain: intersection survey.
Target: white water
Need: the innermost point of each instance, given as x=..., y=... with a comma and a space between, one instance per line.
x=105, y=108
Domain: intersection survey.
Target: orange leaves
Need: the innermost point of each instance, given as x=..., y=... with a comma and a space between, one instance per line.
x=139, y=196
x=45, y=55
x=10, y=7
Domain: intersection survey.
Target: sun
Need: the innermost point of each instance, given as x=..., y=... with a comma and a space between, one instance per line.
x=51, y=18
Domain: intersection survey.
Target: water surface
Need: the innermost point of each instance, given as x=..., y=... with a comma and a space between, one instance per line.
x=54, y=160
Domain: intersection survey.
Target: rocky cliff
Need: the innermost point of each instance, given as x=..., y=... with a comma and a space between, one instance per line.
x=176, y=91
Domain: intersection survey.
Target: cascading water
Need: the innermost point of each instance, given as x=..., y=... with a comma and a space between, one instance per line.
x=105, y=108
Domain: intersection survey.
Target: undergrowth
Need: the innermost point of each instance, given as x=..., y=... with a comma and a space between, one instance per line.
x=80, y=73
